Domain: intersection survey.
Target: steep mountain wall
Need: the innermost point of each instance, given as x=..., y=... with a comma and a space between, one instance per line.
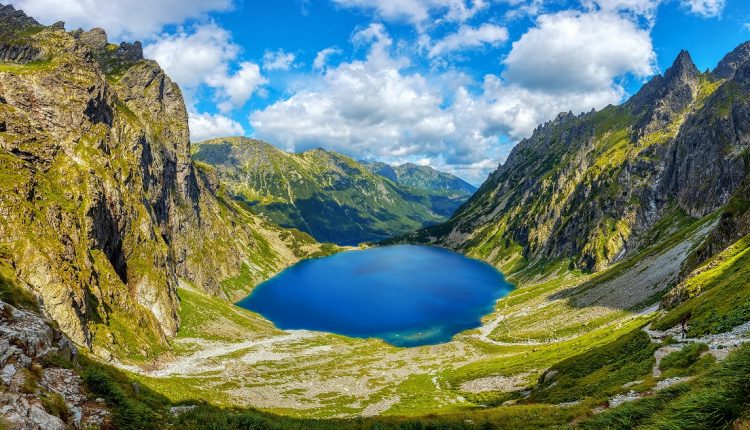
x=587, y=187
x=101, y=209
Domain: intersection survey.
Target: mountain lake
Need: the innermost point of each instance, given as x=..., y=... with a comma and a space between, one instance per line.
x=406, y=295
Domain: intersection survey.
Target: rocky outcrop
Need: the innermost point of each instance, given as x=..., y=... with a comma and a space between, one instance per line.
x=111, y=58
x=709, y=155
x=19, y=53
x=15, y=20
x=732, y=61
x=36, y=394
x=665, y=97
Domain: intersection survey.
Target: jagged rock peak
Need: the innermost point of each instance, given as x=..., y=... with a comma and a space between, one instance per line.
x=96, y=38
x=132, y=52
x=563, y=116
x=732, y=62
x=683, y=68
x=11, y=16
x=681, y=74
x=665, y=96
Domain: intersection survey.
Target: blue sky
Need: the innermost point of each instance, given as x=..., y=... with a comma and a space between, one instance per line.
x=449, y=83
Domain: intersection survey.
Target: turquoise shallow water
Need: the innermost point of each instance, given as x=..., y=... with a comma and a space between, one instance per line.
x=406, y=295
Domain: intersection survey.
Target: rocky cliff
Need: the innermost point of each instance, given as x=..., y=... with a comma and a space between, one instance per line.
x=102, y=211
x=587, y=187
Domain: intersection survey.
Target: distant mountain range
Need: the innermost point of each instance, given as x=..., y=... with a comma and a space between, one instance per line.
x=330, y=196
x=420, y=177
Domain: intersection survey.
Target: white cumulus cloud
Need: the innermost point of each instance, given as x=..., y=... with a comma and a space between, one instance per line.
x=204, y=55
x=278, y=60
x=189, y=56
x=321, y=58
x=371, y=108
x=204, y=126
x=380, y=107
x=705, y=8
x=418, y=11
x=639, y=7
x=470, y=37
x=648, y=8
x=583, y=52
x=234, y=89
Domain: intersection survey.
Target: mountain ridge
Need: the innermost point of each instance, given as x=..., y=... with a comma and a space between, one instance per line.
x=615, y=168
x=324, y=193
x=626, y=232
x=421, y=177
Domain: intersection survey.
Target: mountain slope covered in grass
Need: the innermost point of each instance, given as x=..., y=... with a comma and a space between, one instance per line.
x=323, y=193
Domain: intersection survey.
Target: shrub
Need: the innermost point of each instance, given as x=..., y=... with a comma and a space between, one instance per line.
x=130, y=410
x=678, y=362
x=55, y=405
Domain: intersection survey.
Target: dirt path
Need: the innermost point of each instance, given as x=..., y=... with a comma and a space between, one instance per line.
x=719, y=345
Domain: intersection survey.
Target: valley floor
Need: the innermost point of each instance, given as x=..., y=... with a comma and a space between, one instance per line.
x=228, y=356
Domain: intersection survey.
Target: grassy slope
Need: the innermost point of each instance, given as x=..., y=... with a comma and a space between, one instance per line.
x=552, y=328
x=326, y=194
x=719, y=293
x=592, y=366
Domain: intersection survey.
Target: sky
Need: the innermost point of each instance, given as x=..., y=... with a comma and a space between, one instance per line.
x=453, y=84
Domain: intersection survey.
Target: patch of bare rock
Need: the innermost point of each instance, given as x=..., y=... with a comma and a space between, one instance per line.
x=35, y=395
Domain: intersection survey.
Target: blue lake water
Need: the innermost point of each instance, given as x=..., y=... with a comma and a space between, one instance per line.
x=406, y=295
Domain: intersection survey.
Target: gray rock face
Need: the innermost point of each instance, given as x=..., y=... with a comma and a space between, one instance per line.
x=710, y=153
x=130, y=52
x=732, y=61
x=110, y=60
x=95, y=39
x=19, y=53
x=101, y=208
x=26, y=340
x=15, y=20
x=666, y=96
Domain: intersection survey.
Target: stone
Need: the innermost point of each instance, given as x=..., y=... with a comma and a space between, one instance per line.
x=39, y=417
x=732, y=61
x=130, y=52
x=179, y=410
x=95, y=39
x=7, y=374
x=548, y=376
x=631, y=384
x=37, y=339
